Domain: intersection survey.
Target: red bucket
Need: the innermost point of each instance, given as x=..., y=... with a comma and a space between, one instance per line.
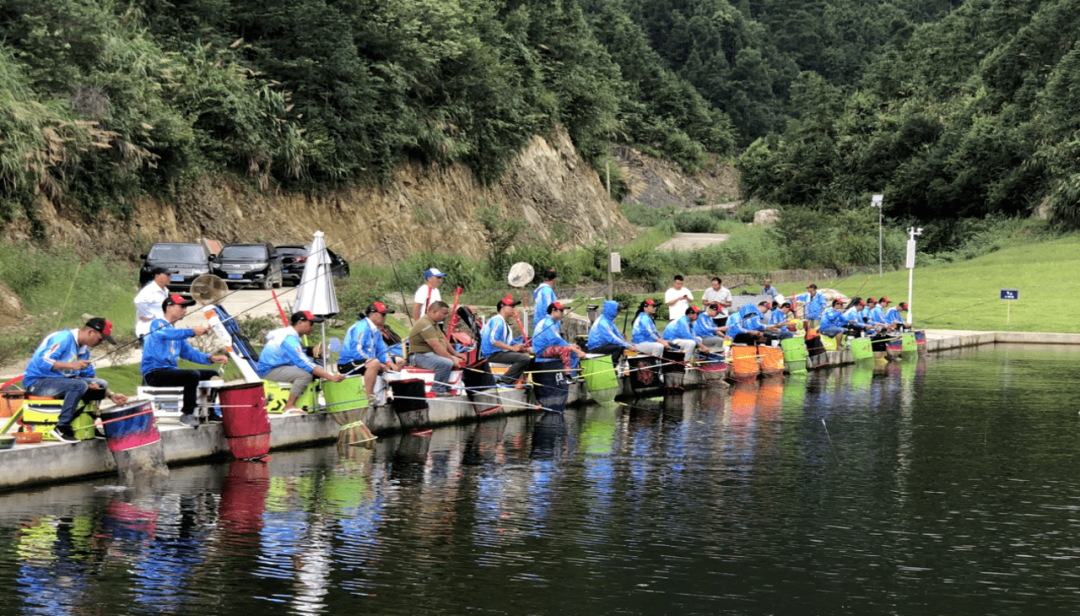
x=247, y=426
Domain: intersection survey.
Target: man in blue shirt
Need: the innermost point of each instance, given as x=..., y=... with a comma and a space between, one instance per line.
x=496, y=342
x=61, y=368
x=283, y=360
x=778, y=321
x=543, y=297
x=164, y=344
x=681, y=332
x=364, y=350
x=815, y=305
x=768, y=289
x=706, y=329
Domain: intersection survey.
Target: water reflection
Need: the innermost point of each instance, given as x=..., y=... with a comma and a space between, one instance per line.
x=847, y=490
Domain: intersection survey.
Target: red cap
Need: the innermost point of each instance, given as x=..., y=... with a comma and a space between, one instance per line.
x=694, y=309
x=903, y=305
x=883, y=300
x=177, y=300
x=558, y=306
x=305, y=315
x=871, y=300
x=509, y=300
x=650, y=302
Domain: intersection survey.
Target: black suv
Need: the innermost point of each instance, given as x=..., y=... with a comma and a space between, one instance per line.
x=247, y=263
x=294, y=257
x=185, y=263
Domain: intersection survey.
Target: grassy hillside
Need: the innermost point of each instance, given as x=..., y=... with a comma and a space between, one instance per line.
x=965, y=295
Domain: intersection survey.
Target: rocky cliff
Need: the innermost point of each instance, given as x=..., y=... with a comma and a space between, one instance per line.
x=548, y=184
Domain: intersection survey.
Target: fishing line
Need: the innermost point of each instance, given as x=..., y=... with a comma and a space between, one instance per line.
x=831, y=445
x=958, y=310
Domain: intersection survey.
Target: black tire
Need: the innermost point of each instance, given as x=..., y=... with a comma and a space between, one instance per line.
x=267, y=283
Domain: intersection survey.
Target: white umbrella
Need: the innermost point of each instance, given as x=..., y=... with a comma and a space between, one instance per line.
x=315, y=292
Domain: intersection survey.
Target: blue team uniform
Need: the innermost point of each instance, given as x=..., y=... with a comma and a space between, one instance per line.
x=814, y=307
x=604, y=331
x=645, y=329
x=165, y=344
x=495, y=330
x=363, y=343
x=543, y=297
x=283, y=349
x=61, y=346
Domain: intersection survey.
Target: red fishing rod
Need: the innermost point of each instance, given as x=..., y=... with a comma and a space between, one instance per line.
x=453, y=316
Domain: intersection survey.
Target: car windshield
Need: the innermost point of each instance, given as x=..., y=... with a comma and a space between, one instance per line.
x=244, y=252
x=181, y=253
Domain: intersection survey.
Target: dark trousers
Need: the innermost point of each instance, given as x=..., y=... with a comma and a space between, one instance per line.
x=188, y=379
x=518, y=363
x=615, y=350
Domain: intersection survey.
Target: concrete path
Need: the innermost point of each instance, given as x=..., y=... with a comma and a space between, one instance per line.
x=691, y=241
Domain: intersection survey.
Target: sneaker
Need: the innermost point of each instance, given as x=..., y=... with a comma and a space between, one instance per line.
x=189, y=420
x=64, y=433
x=444, y=394
x=99, y=434
x=214, y=419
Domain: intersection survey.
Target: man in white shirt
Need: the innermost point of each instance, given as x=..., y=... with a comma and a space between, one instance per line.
x=428, y=293
x=678, y=299
x=148, y=301
x=718, y=294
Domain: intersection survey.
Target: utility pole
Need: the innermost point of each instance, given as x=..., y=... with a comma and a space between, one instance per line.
x=910, y=264
x=878, y=202
x=607, y=232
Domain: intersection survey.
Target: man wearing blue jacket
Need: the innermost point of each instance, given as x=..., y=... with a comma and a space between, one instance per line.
x=605, y=337
x=778, y=321
x=548, y=343
x=61, y=368
x=283, y=360
x=835, y=322
x=748, y=327
x=681, y=333
x=544, y=296
x=496, y=342
x=815, y=305
x=364, y=350
x=706, y=329
x=164, y=344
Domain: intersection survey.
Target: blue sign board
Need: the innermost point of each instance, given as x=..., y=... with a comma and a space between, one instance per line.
x=1012, y=294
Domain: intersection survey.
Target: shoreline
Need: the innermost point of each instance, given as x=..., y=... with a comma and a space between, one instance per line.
x=53, y=462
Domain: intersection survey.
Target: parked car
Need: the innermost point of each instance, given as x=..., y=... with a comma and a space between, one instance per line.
x=248, y=263
x=185, y=263
x=294, y=258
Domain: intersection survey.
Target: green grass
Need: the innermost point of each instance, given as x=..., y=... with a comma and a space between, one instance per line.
x=964, y=295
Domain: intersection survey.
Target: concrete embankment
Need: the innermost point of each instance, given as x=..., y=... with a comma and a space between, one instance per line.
x=51, y=462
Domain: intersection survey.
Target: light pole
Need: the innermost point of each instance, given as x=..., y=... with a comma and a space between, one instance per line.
x=878, y=201
x=910, y=264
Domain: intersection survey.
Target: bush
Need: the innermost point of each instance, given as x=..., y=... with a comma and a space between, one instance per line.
x=354, y=294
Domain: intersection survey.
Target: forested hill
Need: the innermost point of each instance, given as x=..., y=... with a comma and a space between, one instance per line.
x=103, y=100
x=973, y=115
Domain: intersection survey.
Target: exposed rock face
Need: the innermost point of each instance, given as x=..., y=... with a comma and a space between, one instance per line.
x=11, y=307
x=654, y=182
x=765, y=218
x=547, y=184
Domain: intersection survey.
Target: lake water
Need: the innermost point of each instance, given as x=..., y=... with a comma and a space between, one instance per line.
x=949, y=485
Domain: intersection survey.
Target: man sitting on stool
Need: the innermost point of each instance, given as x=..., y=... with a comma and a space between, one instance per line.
x=429, y=350
x=61, y=368
x=680, y=332
x=364, y=351
x=283, y=360
x=164, y=344
x=495, y=342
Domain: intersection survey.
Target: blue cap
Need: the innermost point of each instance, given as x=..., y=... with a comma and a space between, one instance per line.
x=432, y=272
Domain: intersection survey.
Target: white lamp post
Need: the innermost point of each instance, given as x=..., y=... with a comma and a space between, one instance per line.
x=910, y=264
x=878, y=201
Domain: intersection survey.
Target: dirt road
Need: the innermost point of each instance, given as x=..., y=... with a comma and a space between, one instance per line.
x=690, y=241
